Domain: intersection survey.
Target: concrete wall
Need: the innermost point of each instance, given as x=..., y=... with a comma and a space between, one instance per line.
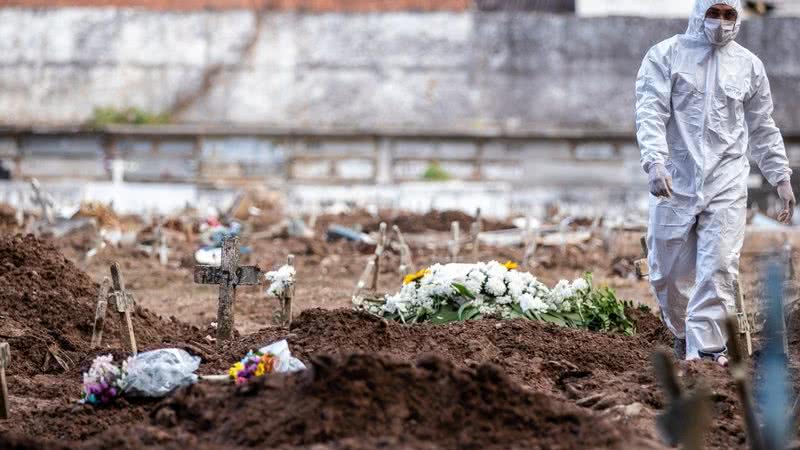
x=446, y=70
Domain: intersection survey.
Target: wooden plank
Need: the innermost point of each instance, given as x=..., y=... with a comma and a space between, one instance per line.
x=455, y=243
x=100, y=313
x=245, y=276
x=227, y=289
x=124, y=304
x=378, y=255
x=475, y=230
x=5, y=360
x=287, y=309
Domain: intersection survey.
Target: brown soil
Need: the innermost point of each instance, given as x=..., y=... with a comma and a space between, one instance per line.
x=365, y=401
x=410, y=222
x=553, y=381
x=46, y=302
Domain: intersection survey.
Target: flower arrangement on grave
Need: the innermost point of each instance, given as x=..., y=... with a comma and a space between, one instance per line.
x=104, y=381
x=459, y=292
x=254, y=364
x=281, y=281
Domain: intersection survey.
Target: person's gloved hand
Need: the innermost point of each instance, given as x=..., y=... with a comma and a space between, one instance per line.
x=789, y=202
x=660, y=181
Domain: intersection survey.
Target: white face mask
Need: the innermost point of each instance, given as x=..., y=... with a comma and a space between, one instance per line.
x=720, y=32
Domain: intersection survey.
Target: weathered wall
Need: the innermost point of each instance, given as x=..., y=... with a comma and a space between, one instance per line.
x=445, y=70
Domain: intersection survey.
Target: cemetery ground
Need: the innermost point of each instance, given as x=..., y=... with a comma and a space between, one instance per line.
x=372, y=383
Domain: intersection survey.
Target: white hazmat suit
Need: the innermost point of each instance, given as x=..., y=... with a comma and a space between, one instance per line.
x=700, y=105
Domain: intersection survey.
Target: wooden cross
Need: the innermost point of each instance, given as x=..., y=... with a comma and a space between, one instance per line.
x=124, y=304
x=475, y=230
x=406, y=258
x=455, y=244
x=379, y=248
x=163, y=249
x=228, y=276
x=100, y=313
x=41, y=199
x=5, y=359
x=362, y=282
x=288, y=297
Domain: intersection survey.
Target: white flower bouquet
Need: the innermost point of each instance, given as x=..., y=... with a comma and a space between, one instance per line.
x=459, y=292
x=280, y=281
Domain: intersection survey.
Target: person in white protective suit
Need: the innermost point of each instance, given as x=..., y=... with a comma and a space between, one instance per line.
x=702, y=101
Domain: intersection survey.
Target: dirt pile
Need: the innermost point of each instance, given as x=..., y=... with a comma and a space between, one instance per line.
x=47, y=302
x=367, y=401
x=409, y=222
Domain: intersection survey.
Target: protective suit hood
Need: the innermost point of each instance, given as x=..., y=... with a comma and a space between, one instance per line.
x=696, y=30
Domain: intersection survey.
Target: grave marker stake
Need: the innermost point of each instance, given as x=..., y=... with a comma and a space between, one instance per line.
x=163, y=250
x=5, y=359
x=475, y=231
x=100, y=313
x=406, y=258
x=738, y=370
x=228, y=276
x=379, y=248
x=123, y=303
x=455, y=243
x=41, y=199
x=362, y=282
x=287, y=302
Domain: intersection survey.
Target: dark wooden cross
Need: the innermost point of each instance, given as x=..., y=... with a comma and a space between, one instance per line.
x=124, y=304
x=228, y=276
x=5, y=358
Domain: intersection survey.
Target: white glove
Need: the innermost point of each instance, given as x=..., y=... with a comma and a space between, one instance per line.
x=660, y=181
x=789, y=202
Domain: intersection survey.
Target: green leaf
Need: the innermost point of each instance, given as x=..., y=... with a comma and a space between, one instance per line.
x=472, y=313
x=553, y=318
x=461, y=310
x=446, y=314
x=461, y=289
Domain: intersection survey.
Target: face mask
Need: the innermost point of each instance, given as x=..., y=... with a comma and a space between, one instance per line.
x=720, y=32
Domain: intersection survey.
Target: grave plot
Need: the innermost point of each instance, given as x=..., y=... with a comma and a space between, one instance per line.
x=569, y=387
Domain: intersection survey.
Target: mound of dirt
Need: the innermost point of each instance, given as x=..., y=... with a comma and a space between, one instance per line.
x=47, y=302
x=435, y=221
x=410, y=222
x=529, y=350
x=368, y=401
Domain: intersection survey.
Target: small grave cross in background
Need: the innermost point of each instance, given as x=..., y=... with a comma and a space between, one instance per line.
x=5, y=358
x=41, y=199
x=124, y=304
x=228, y=276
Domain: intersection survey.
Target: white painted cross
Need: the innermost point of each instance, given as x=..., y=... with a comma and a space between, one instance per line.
x=43, y=201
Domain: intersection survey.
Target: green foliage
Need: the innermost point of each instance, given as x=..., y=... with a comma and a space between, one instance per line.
x=435, y=172
x=132, y=116
x=604, y=312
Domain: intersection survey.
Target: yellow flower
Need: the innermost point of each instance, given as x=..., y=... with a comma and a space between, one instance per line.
x=234, y=371
x=412, y=277
x=511, y=265
x=260, y=369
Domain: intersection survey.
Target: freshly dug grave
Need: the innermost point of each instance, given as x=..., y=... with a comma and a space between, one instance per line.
x=46, y=302
x=367, y=401
x=409, y=222
x=609, y=376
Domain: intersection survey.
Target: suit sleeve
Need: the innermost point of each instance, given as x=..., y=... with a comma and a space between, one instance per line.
x=766, y=143
x=653, y=107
